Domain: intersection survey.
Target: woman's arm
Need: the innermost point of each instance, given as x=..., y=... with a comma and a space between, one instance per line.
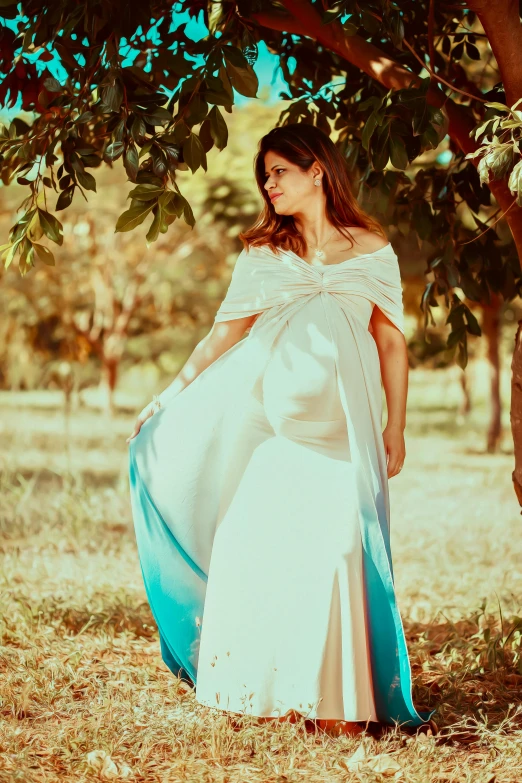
x=393, y=357
x=222, y=336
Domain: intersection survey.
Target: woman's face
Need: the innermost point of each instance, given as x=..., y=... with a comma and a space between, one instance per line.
x=296, y=187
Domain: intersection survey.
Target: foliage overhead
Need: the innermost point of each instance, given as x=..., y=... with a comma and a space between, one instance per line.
x=392, y=80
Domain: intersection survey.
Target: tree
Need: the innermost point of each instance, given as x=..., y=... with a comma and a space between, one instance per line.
x=391, y=80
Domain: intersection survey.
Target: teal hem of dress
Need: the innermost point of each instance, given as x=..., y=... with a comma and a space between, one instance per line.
x=175, y=588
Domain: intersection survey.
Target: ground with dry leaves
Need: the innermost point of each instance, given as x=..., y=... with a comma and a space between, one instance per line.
x=84, y=692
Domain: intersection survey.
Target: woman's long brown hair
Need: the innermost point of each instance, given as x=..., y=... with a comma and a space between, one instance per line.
x=302, y=144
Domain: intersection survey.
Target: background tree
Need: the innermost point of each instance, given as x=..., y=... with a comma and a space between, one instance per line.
x=112, y=307
x=391, y=80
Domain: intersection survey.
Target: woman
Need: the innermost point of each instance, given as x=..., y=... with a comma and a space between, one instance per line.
x=259, y=477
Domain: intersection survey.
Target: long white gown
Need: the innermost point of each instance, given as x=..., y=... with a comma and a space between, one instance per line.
x=261, y=507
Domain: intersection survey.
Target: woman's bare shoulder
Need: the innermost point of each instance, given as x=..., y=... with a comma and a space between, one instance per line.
x=368, y=241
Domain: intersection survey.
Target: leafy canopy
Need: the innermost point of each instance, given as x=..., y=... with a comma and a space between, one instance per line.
x=393, y=80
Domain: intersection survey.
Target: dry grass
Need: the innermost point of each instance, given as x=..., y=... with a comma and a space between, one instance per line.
x=85, y=695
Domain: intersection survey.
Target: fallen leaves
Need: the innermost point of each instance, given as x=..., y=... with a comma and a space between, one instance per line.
x=382, y=763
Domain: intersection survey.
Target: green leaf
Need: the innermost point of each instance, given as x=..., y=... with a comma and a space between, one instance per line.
x=44, y=254
x=175, y=205
x=34, y=230
x=193, y=152
x=147, y=192
x=332, y=14
x=452, y=275
x=145, y=149
x=369, y=127
x=51, y=226
x=242, y=78
x=160, y=116
x=118, y=130
x=218, y=128
x=131, y=162
x=396, y=29
x=398, y=153
x=114, y=150
x=133, y=217
x=92, y=160
x=370, y=22
x=159, y=163
x=30, y=256
x=380, y=146
x=8, y=255
x=65, y=55
x=430, y=138
x=457, y=52
x=153, y=232
x=350, y=28
x=456, y=336
x=226, y=83
x=473, y=324
x=65, y=198
x=52, y=84
x=470, y=286
x=24, y=263
x=138, y=129
x=215, y=15
x=218, y=97
x=112, y=96
x=196, y=110
x=188, y=214
x=496, y=105
x=165, y=198
x=87, y=180
x=172, y=155
x=84, y=117
x=472, y=51
x=515, y=181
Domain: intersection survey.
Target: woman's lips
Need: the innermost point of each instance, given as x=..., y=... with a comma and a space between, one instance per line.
x=273, y=198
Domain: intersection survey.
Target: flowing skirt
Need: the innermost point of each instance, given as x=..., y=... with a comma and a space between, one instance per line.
x=284, y=620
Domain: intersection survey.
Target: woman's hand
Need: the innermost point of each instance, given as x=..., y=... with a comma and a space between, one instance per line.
x=145, y=414
x=395, y=448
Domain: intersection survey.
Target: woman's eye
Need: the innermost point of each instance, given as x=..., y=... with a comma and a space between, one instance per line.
x=276, y=170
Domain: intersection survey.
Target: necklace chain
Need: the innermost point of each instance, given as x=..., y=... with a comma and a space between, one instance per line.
x=319, y=252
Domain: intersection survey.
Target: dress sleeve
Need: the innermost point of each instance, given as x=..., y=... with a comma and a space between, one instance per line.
x=245, y=294
x=386, y=287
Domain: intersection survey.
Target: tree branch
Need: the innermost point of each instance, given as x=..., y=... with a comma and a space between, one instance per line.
x=505, y=39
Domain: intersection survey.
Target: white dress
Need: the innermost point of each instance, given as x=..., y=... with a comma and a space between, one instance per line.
x=260, y=502
x=260, y=654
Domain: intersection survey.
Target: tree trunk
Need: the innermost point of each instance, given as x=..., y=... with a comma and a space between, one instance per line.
x=491, y=331
x=465, y=405
x=516, y=411
x=110, y=378
x=506, y=41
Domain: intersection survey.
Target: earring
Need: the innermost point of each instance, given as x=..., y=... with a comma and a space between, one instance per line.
x=317, y=182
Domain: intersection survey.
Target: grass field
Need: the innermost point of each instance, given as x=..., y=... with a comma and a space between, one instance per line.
x=85, y=694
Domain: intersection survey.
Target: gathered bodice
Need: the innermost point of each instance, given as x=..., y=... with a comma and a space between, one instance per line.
x=263, y=281
x=300, y=379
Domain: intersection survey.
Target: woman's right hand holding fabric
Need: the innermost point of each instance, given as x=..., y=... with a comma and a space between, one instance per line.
x=145, y=414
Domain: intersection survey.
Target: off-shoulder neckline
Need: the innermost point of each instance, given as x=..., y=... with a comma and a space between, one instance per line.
x=339, y=263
